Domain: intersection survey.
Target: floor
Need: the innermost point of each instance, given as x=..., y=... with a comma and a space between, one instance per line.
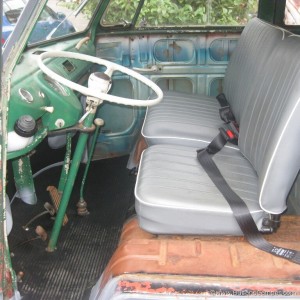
x=199, y=267
x=86, y=243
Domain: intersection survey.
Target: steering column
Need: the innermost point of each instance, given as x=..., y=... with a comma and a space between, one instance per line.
x=96, y=92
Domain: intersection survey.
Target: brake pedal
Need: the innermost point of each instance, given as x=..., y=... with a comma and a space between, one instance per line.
x=56, y=197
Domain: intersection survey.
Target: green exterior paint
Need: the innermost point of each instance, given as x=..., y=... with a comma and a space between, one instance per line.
x=7, y=275
x=8, y=278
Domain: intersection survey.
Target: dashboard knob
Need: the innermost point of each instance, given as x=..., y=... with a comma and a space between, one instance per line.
x=49, y=109
x=25, y=126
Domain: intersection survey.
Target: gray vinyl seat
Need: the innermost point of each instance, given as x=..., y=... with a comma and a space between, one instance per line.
x=193, y=120
x=174, y=195
x=183, y=119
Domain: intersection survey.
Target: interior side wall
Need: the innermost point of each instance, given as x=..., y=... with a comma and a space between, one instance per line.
x=192, y=63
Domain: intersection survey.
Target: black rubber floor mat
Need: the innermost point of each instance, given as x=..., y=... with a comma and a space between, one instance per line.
x=85, y=244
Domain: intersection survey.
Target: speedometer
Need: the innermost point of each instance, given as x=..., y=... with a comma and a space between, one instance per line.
x=56, y=86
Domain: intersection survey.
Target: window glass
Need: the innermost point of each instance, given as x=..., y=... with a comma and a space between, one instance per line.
x=12, y=10
x=234, y=12
x=156, y=13
x=292, y=12
x=63, y=17
x=59, y=18
x=119, y=12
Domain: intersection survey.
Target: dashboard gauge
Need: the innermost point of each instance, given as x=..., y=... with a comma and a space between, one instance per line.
x=56, y=86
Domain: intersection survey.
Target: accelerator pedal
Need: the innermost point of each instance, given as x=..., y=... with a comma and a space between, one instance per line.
x=56, y=197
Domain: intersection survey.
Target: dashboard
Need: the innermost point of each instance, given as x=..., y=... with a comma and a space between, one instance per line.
x=42, y=100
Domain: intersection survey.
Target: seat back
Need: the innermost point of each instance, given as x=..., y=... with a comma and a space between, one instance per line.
x=270, y=126
x=249, y=58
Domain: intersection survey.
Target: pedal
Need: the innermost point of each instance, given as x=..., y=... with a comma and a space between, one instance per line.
x=56, y=197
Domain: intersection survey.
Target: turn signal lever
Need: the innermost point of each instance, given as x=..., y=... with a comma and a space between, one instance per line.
x=100, y=82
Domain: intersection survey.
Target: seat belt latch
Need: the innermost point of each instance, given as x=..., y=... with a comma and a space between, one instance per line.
x=228, y=135
x=271, y=223
x=226, y=114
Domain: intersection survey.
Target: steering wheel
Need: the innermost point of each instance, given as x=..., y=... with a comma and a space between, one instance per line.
x=111, y=67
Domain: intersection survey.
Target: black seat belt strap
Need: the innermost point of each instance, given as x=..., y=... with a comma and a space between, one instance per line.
x=225, y=111
x=238, y=206
x=222, y=100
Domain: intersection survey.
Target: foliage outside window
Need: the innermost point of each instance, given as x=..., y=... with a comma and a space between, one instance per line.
x=157, y=13
x=119, y=12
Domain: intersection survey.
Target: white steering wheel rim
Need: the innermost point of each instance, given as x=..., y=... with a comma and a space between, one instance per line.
x=111, y=67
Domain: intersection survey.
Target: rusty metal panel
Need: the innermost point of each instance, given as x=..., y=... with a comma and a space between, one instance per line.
x=186, y=62
x=175, y=50
x=207, y=256
x=204, y=286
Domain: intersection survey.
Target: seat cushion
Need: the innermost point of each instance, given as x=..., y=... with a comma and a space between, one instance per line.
x=174, y=195
x=182, y=119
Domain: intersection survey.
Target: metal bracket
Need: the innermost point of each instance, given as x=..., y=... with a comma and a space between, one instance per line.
x=78, y=127
x=93, y=102
x=49, y=209
x=271, y=223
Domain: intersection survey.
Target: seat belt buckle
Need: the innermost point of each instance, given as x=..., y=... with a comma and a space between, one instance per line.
x=229, y=135
x=226, y=114
x=234, y=127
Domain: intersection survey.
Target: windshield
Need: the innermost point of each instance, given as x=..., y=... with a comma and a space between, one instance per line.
x=58, y=19
x=174, y=13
